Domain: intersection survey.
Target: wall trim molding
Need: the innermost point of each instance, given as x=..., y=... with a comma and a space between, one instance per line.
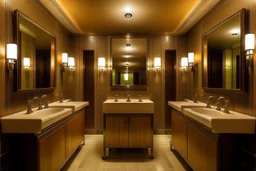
x=100, y=131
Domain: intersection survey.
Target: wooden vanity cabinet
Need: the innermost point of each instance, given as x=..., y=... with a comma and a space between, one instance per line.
x=128, y=131
x=179, y=133
x=202, y=149
x=51, y=149
x=74, y=134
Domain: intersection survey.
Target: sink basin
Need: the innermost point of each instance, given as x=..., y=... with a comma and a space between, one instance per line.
x=122, y=106
x=22, y=122
x=180, y=105
x=73, y=105
x=220, y=122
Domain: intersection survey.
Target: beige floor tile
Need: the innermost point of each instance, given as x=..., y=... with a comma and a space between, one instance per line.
x=89, y=157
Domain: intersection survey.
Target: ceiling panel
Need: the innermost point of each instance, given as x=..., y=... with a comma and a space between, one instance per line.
x=107, y=16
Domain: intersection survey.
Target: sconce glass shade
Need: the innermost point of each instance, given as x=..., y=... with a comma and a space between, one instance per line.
x=11, y=52
x=26, y=62
x=184, y=62
x=101, y=62
x=71, y=62
x=126, y=76
x=249, y=41
x=157, y=62
x=64, y=58
x=191, y=57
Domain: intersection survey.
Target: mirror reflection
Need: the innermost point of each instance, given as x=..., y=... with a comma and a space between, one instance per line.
x=224, y=58
x=36, y=54
x=129, y=58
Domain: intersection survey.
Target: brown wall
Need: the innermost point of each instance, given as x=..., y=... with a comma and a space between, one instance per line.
x=11, y=102
x=241, y=102
x=155, y=89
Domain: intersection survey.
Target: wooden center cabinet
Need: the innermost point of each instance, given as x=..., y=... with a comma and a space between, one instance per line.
x=128, y=131
x=200, y=148
x=53, y=147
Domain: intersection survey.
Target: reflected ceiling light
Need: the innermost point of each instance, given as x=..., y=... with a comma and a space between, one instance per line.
x=235, y=32
x=127, y=64
x=127, y=55
x=126, y=76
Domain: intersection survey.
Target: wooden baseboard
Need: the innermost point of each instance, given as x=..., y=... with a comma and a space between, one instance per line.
x=100, y=131
x=93, y=131
x=159, y=131
x=168, y=131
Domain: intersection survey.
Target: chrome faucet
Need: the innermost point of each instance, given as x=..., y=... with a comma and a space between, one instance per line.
x=45, y=101
x=39, y=102
x=29, y=110
x=226, y=110
x=140, y=99
x=60, y=98
x=210, y=98
x=128, y=98
x=116, y=100
x=195, y=98
x=219, y=104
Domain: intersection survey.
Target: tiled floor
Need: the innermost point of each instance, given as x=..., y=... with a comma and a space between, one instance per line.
x=89, y=158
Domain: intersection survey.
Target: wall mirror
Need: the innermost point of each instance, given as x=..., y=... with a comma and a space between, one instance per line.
x=129, y=63
x=36, y=55
x=223, y=55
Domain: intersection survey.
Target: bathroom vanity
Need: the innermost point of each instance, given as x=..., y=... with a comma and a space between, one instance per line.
x=207, y=139
x=46, y=139
x=128, y=124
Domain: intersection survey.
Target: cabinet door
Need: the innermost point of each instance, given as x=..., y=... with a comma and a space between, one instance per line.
x=179, y=133
x=52, y=151
x=140, y=131
x=202, y=150
x=58, y=149
x=74, y=134
x=116, y=132
x=45, y=154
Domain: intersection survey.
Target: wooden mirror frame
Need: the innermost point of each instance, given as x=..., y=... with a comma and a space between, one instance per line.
x=134, y=87
x=243, y=68
x=17, y=40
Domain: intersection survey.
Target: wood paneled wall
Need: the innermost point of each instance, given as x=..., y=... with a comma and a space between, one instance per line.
x=156, y=87
x=241, y=102
x=11, y=102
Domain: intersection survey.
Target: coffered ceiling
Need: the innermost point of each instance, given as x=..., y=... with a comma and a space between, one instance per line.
x=149, y=16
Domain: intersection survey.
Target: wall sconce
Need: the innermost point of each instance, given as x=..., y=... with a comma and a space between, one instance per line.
x=11, y=55
x=249, y=47
x=191, y=58
x=101, y=63
x=157, y=63
x=26, y=63
x=184, y=63
x=71, y=63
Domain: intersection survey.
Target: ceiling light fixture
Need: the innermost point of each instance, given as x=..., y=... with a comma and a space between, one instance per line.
x=128, y=15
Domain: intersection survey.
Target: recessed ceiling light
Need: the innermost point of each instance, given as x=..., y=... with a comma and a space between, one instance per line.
x=128, y=44
x=128, y=15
